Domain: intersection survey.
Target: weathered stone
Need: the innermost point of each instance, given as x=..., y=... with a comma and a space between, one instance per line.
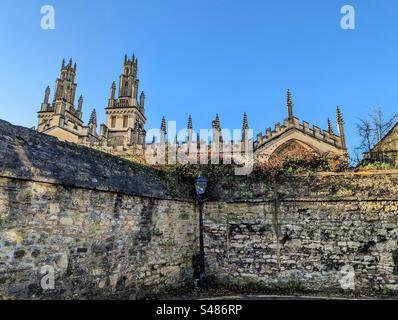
x=124, y=233
x=67, y=221
x=85, y=251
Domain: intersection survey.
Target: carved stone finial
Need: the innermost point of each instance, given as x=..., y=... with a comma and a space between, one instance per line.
x=245, y=122
x=289, y=105
x=163, y=126
x=190, y=127
x=46, y=95
x=80, y=104
x=330, y=129
x=339, y=117
x=340, y=127
x=216, y=123
x=93, y=118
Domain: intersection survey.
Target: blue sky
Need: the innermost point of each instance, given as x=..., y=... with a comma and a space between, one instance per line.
x=207, y=56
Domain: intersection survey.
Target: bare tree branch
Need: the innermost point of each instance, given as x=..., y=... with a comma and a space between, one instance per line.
x=372, y=131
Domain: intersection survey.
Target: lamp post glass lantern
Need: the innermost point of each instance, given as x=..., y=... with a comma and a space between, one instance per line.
x=200, y=186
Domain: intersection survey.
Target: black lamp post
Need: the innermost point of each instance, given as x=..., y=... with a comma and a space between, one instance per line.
x=200, y=186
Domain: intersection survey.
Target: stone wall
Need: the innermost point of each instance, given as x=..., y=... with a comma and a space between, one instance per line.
x=101, y=244
x=322, y=232
x=107, y=227
x=111, y=228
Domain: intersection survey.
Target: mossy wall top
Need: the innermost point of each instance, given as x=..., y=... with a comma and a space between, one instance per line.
x=29, y=155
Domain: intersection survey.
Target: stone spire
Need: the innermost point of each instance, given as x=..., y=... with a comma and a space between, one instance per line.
x=163, y=131
x=189, y=128
x=92, y=123
x=245, y=122
x=340, y=127
x=93, y=118
x=216, y=129
x=142, y=101
x=339, y=117
x=163, y=125
x=289, y=105
x=330, y=129
x=216, y=123
x=80, y=104
x=112, y=95
x=245, y=127
x=46, y=95
x=79, y=112
x=45, y=106
x=113, y=91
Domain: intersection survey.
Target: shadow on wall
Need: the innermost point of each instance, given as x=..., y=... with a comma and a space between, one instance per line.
x=53, y=212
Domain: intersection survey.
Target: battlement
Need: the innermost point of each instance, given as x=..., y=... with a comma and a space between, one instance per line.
x=323, y=135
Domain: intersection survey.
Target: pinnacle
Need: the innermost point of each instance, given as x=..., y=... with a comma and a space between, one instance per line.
x=330, y=129
x=163, y=125
x=190, y=122
x=245, y=122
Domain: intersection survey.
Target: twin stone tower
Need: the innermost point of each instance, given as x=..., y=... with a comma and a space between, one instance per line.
x=125, y=113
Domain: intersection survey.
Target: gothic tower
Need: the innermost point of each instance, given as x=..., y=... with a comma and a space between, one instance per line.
x=61, y=118
x=65, y=91
x=65, y=88
x=125, y=115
